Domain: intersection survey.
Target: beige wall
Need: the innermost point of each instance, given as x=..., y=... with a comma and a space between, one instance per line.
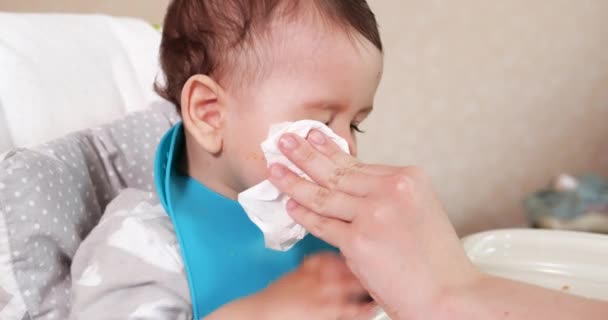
x=493, y=98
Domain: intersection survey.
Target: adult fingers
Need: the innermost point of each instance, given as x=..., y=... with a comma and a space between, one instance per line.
x=344, y=160
x=332, y=231
x=323, y=170
x=323, y=201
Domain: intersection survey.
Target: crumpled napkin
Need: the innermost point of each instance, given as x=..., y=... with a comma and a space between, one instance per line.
x=265, y=204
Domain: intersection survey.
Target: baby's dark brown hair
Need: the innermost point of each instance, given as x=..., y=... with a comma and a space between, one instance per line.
x=207, y=36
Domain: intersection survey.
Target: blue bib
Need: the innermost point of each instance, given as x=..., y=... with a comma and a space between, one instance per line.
x=223, y=251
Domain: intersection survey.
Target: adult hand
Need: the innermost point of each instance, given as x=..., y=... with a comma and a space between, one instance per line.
x=386, y=220
x=398, y=240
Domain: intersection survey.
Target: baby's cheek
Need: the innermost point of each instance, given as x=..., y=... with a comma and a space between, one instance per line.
x=255, y=156
x=256, y=168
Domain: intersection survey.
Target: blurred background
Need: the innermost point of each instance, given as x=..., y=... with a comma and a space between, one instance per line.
x=150, y=10
x=492, y=98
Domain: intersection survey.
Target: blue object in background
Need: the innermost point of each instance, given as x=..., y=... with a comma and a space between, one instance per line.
x=569, y=202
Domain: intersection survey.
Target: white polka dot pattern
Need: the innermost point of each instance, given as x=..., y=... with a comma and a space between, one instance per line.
x=53, y=195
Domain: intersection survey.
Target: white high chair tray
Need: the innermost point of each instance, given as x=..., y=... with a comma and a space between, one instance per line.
x=572, y=262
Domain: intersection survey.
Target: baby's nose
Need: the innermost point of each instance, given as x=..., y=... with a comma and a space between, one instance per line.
x=352, y=141
x=352, y=145
x=346, y=133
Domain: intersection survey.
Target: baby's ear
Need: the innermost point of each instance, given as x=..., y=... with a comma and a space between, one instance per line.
x=203, y=111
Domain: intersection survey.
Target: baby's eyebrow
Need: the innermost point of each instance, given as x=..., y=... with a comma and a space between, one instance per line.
x=325, y=105
x=320, y=104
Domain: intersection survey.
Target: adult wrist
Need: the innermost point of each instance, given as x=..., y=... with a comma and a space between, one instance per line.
x=464, y=302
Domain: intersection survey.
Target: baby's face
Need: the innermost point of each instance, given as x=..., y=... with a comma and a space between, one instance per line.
x=314, y=74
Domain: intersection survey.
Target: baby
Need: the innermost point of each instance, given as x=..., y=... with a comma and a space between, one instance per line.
x=233, y=68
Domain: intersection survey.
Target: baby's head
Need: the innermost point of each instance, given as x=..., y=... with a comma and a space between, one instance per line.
x=235, y=67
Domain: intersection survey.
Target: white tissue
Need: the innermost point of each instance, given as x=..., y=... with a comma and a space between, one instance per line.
x=265, y=204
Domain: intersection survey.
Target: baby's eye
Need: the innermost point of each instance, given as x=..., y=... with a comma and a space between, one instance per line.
x=355, y=127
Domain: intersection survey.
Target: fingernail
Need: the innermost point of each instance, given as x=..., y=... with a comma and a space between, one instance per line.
x=288, y=142
x=291, y=204
x=316, y=137
x=277, y=171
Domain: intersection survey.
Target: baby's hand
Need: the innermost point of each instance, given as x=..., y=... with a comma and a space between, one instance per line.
x=321, y=288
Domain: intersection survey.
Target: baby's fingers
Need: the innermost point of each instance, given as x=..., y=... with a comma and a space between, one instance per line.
x=355, y=312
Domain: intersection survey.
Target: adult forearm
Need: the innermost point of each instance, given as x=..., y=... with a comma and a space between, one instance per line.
x=497, y=298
